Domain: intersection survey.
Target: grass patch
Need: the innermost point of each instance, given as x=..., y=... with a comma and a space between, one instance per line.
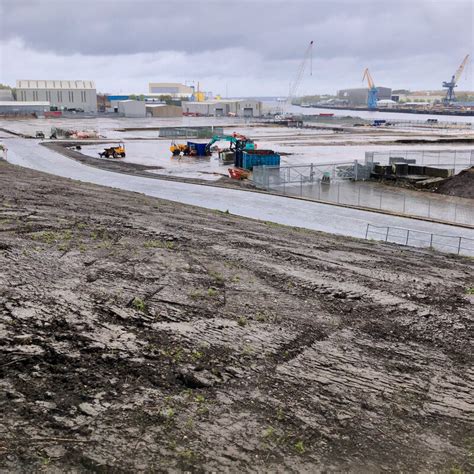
x=139, y=304
x=212, y=292
x=470, y=291
x=159, y=244
x=299, y=447
x=242, y=321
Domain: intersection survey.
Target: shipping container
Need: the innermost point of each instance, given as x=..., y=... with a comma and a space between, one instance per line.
x=259, y=158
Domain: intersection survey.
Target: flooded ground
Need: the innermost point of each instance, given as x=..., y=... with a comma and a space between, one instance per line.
x=297, y=146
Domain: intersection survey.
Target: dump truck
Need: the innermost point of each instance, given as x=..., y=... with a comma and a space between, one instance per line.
x=114, y=151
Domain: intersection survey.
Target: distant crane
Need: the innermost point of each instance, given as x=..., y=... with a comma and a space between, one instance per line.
x=372, y=92
x=294, y=86
x=450, y=96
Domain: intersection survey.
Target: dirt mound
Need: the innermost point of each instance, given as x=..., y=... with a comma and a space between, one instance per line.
x=461, y=185
x=140, y=335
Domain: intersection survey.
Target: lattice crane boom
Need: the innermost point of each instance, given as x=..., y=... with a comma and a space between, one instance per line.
x=294, y=86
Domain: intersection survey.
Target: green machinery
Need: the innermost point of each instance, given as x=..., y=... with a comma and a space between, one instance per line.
x=238, y=144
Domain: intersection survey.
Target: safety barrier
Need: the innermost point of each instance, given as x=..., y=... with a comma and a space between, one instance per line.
x=456, y=159
x=416, y=238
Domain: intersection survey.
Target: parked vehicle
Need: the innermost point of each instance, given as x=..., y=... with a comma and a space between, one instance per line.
x=114, y=151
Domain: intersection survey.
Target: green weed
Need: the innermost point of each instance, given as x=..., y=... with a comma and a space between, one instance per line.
x=211, y=292
x=242, y=321
x=139, y=304
x=299, y=447
x=159, y=244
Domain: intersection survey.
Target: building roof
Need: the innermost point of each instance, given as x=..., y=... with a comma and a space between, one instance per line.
x=15, y=103
x=54, y=84
x=222, y=101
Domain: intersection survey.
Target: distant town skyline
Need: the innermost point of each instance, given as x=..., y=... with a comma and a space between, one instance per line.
x=245, y=48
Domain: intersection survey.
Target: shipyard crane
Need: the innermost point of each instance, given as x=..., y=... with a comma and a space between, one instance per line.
x=372, y=92
x=294, y=86
x=450, y=96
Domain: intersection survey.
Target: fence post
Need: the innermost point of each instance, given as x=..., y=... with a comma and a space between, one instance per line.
x=311, y=173
x=431, y=241
x=356, y=167
x=408, y=235
x=404, y=202
x=367, y=231
x=380, y=205
x=386, y=235
x=459, y=245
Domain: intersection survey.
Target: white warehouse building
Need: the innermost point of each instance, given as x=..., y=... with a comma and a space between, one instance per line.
x=65, y=95
x=224, y=108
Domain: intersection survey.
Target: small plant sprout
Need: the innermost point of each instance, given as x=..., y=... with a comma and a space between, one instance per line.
x=299, y=447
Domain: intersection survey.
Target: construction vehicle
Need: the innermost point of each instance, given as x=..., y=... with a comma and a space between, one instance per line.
x=372, y=95
x=114, y=151
x=40, y=134
x=450, y=85
x=238, y=142
x=178, y=148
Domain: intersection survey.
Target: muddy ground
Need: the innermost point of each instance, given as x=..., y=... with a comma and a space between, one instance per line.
x=461, y=184
x=143, y=335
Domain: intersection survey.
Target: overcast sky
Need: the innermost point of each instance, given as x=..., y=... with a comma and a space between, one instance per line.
x=251, y=47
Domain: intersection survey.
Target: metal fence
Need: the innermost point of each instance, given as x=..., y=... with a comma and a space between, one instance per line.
x=425, y=124
x=306, y=182
x=268, y=176
x=456, y=159
x=416, y=238
x=190, y=132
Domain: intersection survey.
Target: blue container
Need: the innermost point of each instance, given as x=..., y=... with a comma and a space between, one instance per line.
x=260, y=158
x=199, y=147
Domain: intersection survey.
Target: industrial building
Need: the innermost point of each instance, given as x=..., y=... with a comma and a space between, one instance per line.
x=163, y=110
x=174, y=89
x=64, y=95
x=359, y=96
x=224, y=108
x=132, y=108
x=11, y=107
x=6, y=95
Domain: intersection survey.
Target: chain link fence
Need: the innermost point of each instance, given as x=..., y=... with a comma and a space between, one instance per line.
x=430, y=124
x=416, y=238
x=344, y=187
x=452, y=159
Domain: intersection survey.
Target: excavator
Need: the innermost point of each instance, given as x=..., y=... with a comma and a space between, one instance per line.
x=238, y=143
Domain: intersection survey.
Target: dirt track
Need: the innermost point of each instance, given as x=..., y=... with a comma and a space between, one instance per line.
x=142, y=335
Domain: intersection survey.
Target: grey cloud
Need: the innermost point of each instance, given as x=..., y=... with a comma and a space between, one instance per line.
x=259, y=40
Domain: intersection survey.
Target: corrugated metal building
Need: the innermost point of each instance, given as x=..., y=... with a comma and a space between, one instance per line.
x=174, y=89
x=163, y=110
x=359, y=96
x=132, y=108
x=12, y=107
x=65, y=95
x=6, y=95
x=225, y=108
